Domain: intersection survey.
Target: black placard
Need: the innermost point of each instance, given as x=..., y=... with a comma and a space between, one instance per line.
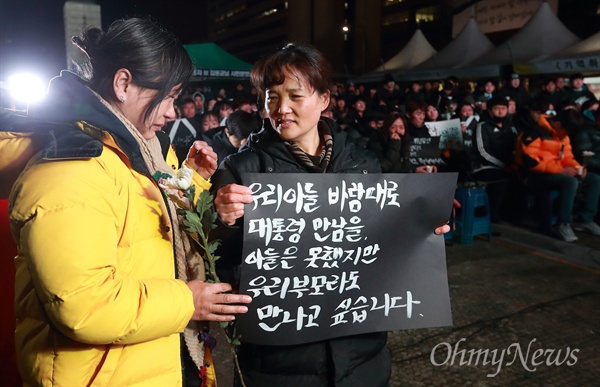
x=329, y=255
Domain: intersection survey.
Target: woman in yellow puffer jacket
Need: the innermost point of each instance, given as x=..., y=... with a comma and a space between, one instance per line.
x=108, y=290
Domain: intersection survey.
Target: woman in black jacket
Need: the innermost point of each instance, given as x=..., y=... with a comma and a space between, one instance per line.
x=386, y=143
x=295, y=84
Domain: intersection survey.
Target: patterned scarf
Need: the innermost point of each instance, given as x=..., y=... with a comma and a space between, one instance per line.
x=325, y=156
x=188, y=262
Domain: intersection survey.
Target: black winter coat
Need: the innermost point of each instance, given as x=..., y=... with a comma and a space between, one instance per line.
x=587, y=138
x=360, y=360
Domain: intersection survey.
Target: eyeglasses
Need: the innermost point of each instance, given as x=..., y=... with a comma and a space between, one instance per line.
x=551, y=113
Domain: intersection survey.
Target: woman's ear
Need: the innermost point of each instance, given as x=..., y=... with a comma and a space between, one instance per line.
x=121, y=84
x=326, y=96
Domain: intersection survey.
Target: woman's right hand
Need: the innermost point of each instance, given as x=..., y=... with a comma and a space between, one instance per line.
x=230, y=201
x=214, y=302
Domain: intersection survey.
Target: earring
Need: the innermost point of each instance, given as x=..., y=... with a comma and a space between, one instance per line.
x=122, y=98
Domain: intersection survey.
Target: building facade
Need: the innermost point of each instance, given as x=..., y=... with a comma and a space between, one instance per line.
x=359, y=35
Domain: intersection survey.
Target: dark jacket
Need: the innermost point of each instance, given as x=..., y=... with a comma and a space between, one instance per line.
x=360, y=360
x=587, y=138
x=494, y=145
x=183, y=138
x=220, y=143
x=389, y=152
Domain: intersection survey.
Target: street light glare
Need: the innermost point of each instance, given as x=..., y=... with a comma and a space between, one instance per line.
x=345, y=28
x=26, y=87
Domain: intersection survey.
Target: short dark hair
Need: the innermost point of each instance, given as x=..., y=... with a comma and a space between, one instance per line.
x=539, y=104
x=153, y=56
x=241, y=123
x=414, y=105
x=204, y=116
x=300, y=60
x=576, y=76
x=184, y=101
x=219, y=105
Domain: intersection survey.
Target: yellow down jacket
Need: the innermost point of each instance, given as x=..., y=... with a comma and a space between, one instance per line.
x=96, y=299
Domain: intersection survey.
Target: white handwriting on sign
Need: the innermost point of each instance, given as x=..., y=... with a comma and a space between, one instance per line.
x=314, y=285
x=271, y=259
x=348, y=312
x=328, y=257
x=422, y=140
x=352, y=194
x=275, y=229
x=358, y=309
x=337, y=230
x=304, y=196
x=280, y=316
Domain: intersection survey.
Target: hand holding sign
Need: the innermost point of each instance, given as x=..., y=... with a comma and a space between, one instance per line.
x=230, y=201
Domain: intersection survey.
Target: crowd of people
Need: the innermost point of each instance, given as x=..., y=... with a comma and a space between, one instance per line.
x=108, y=288
x=506, y=125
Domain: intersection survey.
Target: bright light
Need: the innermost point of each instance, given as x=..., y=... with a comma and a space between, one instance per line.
x=26, y=87
x=345, y=28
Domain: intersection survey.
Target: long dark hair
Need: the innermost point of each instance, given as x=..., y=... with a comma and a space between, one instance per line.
x=153, y=56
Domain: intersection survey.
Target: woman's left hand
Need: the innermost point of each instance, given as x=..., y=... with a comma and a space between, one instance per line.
x=202, y=159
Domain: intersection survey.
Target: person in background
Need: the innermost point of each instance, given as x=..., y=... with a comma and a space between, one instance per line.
x=586, y=138
x=416, y=92
x=227, y=140
x=461, y=160
x=386, y=143
x=222, y=109
x=578, y=92
x=485, y=91
x=185, y=130
x=549, y=93
x=294, y=82
x=108, y=288
x=546, y=161
x=390, y=95
x=198, y=98
x=208, y=121
x=431, y=114
x=493, y=149
x=415, y=128
x=514, y=90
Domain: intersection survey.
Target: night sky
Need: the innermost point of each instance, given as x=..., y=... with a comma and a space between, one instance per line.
x=32, y=33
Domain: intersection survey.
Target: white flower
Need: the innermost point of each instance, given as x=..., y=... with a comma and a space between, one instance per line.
x=182, y=181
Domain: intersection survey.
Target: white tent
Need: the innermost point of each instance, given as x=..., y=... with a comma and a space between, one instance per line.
x=589, y=46
x=542, y=36
x=417, y=50
x=468, y=45
x=583, y=57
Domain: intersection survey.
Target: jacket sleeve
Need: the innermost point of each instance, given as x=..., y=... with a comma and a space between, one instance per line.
x=583, y=142
x=70, y=248
x=568, y=158
x=483, y=145
x=390, y=156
